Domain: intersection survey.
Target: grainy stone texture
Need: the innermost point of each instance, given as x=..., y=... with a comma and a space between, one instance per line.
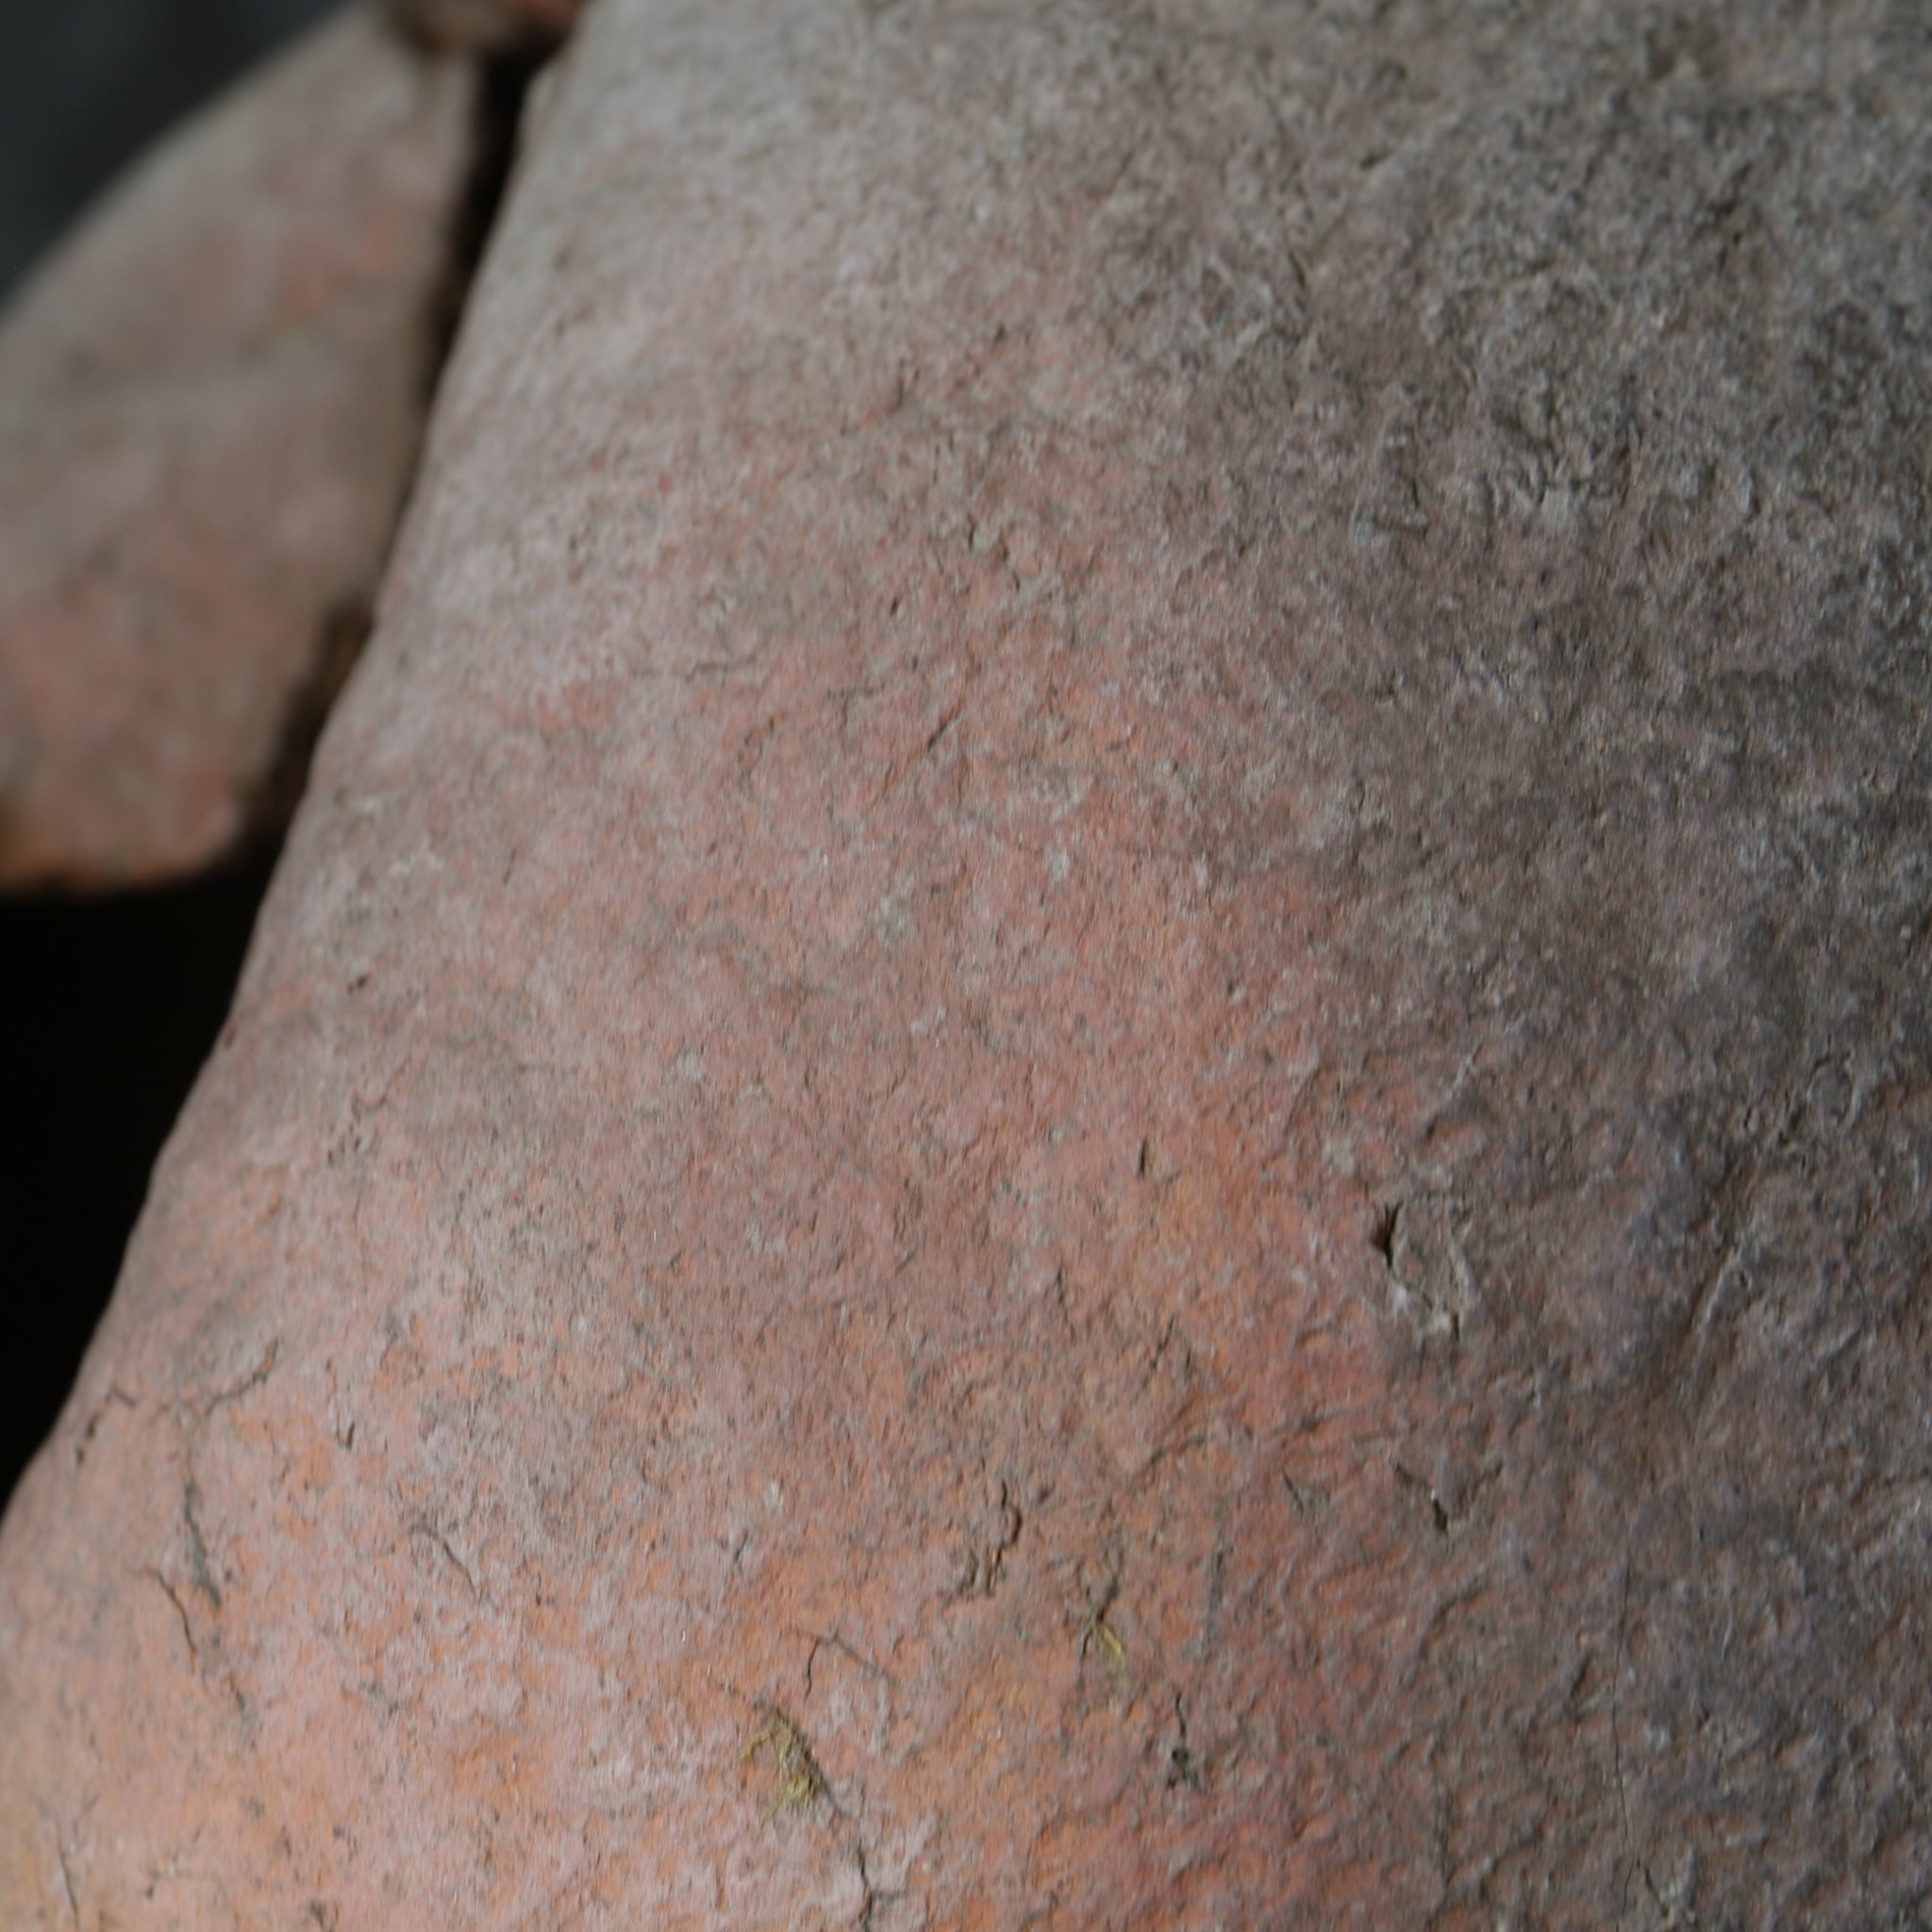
x=1092, y=1089
x=211, y=402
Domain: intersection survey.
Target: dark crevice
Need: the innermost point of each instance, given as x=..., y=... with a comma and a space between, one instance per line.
x=504, y=85
x=344, y=631
x=109, y=1007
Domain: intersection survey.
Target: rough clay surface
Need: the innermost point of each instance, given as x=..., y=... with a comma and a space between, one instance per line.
x=211, y=406
x=1092, y=1089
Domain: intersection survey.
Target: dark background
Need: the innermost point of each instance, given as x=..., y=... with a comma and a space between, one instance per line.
x=109, y=1007
x=87, y=83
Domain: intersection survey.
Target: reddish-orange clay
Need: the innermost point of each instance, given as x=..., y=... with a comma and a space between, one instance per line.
x=1092, y=1086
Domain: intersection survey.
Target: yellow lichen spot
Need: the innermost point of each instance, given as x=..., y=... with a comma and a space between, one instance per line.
x=1096, y=1633
x=800, y=1782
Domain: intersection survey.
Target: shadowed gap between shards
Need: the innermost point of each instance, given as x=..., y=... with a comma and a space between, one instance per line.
x=108, y=1006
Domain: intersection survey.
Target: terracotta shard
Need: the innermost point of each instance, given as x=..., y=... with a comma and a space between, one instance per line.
x=210, y=404
x=1094, y=1085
